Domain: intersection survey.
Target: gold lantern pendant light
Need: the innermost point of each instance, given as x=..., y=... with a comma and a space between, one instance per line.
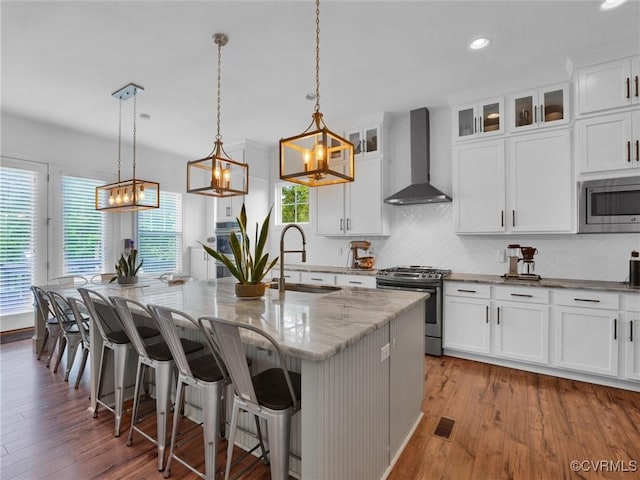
x=134, y=194
x=317, y=156
x=218, y=175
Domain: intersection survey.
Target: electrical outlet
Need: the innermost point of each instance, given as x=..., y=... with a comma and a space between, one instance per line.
x=384, y=353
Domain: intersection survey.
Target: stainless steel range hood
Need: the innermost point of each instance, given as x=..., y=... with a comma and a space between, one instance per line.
x=420, y=190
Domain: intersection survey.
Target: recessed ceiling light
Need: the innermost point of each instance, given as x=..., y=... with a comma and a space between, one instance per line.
x=609, y=4
x=479, y=43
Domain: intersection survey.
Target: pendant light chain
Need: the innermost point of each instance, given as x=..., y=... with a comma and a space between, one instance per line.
x=317, y=106
x=218, y=136
x=119, y=135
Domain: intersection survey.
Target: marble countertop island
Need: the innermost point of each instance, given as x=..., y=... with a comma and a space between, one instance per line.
x=309, y=326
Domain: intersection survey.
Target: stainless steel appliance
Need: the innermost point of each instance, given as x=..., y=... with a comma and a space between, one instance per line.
x=609, y=205
x=421, y=279
x=223, y=233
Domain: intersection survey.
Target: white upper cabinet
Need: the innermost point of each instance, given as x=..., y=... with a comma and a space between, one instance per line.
x=609, y=142
x=530, y=190
x=542, y=107
x=354, y=208
x=540, y=183
x=478, y=120
x=479, y=187
x=609, y=85
x=366, y=141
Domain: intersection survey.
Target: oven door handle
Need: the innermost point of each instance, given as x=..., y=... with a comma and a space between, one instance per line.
x=407, y=289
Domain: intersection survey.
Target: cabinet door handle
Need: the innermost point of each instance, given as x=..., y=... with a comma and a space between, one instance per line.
x=502, y=218
x=541, y=113
x=628, y=88
x=342, y=225
x=354, y=282
x=535, y=114
x=228, y=211
x=513, y=218
x=498, y=315
x=480, y=123
x=615, y=328
x=486, y=315
x=637, y=150
x=475, y=124
x=348, y=224
x=521, y=295
x=636, y=81
x=316, y=279
x=592, y=300
x=628, y=151
x=631, y=325
x=466, y=291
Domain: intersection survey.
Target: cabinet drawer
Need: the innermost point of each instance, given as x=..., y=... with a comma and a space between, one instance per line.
x=522, y=294
x=473, y=290
x=318, y=278
x=587, y=298
x=356, y=281
x=290, y=275
x=633, y=303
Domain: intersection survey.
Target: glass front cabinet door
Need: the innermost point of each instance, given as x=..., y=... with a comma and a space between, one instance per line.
x=478, y=120
x=366, y=141
x=543, y=107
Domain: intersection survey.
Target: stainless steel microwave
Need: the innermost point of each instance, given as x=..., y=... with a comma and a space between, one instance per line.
x=610, y=205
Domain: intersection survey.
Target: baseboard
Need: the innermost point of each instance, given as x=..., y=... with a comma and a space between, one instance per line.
x=15, y=335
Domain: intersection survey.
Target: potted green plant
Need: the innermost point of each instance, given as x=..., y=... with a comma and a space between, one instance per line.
x=127, y=268
x=250, y=264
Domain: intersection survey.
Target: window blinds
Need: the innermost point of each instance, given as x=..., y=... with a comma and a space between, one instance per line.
x=160, y=235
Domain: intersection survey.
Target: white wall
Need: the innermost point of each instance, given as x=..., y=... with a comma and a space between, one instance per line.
x=424, y=234
x=76, y=153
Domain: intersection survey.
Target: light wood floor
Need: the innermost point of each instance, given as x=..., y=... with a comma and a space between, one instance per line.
x=508, y=424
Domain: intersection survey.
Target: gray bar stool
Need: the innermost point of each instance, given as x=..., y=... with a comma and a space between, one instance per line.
x=77, y=307
x=114, y=338
x=273, y=394
x=51, y=325
x=205, y=374
x=158, y=357
x=71, y=332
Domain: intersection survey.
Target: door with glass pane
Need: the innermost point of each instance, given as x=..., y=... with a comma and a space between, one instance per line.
x=23, y=239
x=543, y=107
x=478, y=119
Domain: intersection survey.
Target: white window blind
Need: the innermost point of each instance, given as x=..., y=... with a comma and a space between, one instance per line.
x=18, y=238
x=160, y=235
x=83, y=227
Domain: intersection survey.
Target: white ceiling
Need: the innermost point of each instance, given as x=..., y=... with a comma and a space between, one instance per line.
x=62, y=60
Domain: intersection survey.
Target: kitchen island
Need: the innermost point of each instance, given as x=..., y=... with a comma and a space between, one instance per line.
x=360, y=353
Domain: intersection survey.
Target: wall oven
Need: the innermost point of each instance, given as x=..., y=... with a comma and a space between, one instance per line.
x=610, y=205
x=223, y=233
x=420, y=279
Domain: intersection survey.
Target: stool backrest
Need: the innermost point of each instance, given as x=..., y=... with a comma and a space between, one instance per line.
x=123, y=306
x=102, y=312
x=78, y=307
x=43, y=303
x=62, y=310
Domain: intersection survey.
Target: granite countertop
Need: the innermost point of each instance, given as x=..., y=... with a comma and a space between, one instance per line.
x=608, y=286
x=297, y=267
x=306, y=325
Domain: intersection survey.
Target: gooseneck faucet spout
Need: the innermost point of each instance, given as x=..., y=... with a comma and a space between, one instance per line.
x=303, y=252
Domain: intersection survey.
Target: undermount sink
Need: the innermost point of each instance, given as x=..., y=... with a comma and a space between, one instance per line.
x=306, y=288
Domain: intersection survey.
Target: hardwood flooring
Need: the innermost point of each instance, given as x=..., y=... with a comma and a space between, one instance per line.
x=509, y=424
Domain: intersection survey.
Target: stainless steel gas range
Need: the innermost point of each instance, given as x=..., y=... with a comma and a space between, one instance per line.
x=421, y=279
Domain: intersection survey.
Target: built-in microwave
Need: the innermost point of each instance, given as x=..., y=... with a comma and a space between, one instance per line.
x=609, y=205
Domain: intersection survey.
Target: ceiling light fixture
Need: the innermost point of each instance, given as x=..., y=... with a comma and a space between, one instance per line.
x=611, y=4
x=479, y=43
x=217, y=175
x=134, y=194
x=317, y=156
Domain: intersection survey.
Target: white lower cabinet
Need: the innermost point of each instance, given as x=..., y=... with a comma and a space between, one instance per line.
x=522, y=331
x=318, y=278
x=632, y=338
x=203, y=266
x=586, y=339
x=466, y=325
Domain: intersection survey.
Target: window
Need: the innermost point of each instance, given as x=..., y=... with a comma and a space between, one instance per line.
x=21, y=237
x=83, y=227
x=293, y=203
x=160, y=235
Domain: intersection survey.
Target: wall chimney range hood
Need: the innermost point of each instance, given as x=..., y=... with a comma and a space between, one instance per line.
x=420, y=190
